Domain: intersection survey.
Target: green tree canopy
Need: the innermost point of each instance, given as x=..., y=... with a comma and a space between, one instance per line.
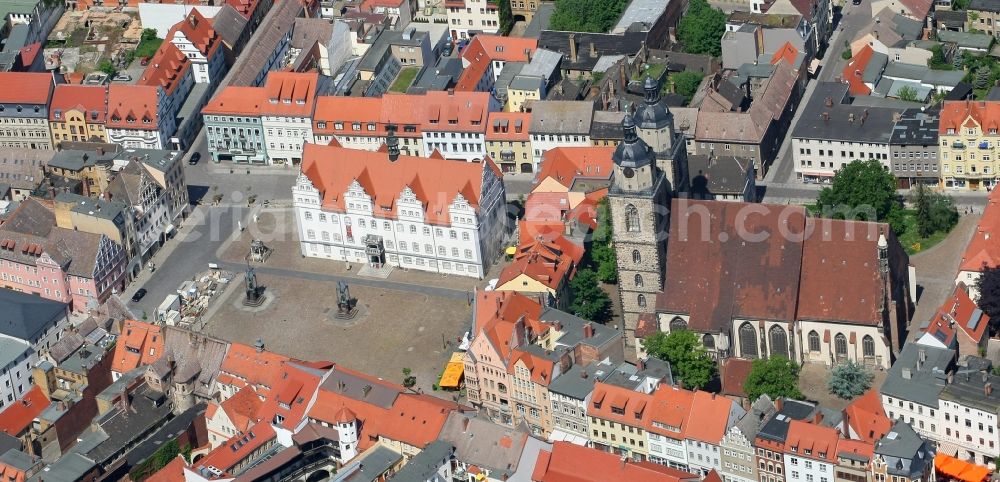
x=907, y=93
x=777, y=377
x=849, y=380
x=988, y=286
x=590, y=302
x=688, y=359
x=686, y=83
x=586, y=15
x=862, y=190
x=602, y=257
x=701, y=28
x=936, y=212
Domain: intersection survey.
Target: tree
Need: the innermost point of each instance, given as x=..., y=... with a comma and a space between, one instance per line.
x=938, y=60
x=776, y=376
x=589, y=300
x=107, y=67
x=408, y=379
x=907, y=93
x=505, y=14
x=586, y=15
x=862, y=190
x=688, y=359
x=982, y=78
x=923, y=206
x=701, y=28
x=849, y=380
x=686, y=83
x=602, y=254
x=988, y=286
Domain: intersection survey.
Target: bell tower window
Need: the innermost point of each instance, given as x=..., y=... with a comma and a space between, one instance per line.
x=632, y=219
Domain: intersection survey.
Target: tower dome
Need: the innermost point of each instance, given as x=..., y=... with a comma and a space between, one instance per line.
x=652, y=113
x=632, y=152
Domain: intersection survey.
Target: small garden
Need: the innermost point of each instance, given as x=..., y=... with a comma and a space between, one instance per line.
x=404, y=79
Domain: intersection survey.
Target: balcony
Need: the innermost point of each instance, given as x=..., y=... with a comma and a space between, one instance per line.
x=958, y=145
x=984, y=145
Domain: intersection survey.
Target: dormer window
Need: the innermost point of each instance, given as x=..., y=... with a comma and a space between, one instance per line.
x=338, y=125
x=300, y=101
x=371, y=126
x=951, y=131
x=993, y=131
x=286, y=101
x=356, y=126
x=273, y=100
x=321, y=124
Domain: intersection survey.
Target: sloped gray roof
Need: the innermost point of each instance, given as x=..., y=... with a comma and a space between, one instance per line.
x=482, y=443
x=229, y=24
x=916, y=381
x=904, y=451
x=25, y=316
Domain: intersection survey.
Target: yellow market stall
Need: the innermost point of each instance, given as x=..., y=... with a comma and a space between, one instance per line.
x=451, y=379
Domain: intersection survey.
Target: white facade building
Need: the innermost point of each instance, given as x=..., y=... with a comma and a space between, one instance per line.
x=198, y=41
x=969, y=418
x=468, y=16
x=427, y=214
x=16, y=359
x=286, y=115
x=820, y=159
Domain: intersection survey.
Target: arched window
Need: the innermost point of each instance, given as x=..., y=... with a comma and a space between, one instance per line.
x=677, y=324
x=638, y=281
x=779, y=341
x=813, y=341
x=708, y=342
x=868, y=345
x=636, y=257
x=748, y=341
x=631, y=219
x=840, y=345
x=641, y=300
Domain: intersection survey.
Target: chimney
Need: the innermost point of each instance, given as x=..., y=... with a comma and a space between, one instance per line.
x=818, y=417
x=826, y=117
x=778, y=404
x=897, y=116
x=988, y=389
x=583, y=373
x=828, y=102
x=588, y=330
x=465, y=424
x=951, y=377
x=593, y=50
x=640, y=365
x=572, y=47
x=846, y=424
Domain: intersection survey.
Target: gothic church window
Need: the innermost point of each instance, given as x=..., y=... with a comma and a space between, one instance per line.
x=636, y=257
x=840, y=345
x=748, y=341
x=631, y=219
x=708, y=342
x=868, y=345
x=641, y=300
x=677, y=324
x=638, y=281
x=813, y=341
x=779, y=341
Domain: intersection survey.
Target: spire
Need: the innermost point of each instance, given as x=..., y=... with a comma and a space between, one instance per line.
x=652, y=89
x=392, y=142
x=628, y=127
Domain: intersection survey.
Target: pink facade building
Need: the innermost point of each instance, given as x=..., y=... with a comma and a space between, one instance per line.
x=82, y=269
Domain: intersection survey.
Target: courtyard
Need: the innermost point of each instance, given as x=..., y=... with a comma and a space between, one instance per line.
x=87, y=41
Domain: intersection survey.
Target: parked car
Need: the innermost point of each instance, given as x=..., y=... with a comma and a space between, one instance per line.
x=194, y=158
x=122, y=77
x=140, y=294
x=144, y=61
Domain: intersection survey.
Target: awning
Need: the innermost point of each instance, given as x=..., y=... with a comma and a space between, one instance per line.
x=511, y=250
x=453, y=371
x=960, y=470
x=561, y=436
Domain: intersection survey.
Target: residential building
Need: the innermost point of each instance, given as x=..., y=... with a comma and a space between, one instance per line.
x=575, y=169
x=865, y=419
x=236, y=414
x=559, y=123
x=810, y=452
x=111, y=218
x=152, y=183
x=737, y=446
x=818, y=13
x=983, y=15
x=508, y=141
x=968, y=136
x=884, y=32
x=752, y=35
x=483, y=449
x=33, y=320
x=197, y=40
x=903, y=455
x=286, y=117
x=392, y=51
x=757, y=132
x=448, y=217
x=980, y=252
x=567, y=462
x=914, y=9
x=854, y=461
x=249, y=366
x=24, y=110
x=619, y=418
x=233, y=126
x=170, y=72
x=63, y=265
x=606, y=127
x=969, y=415
x=78, y=113
x=712, y=416
x=452, y=123
x=543, y=267
x=912, y=388
x=139, y=344
x=90, y=168
x=832, y=134
x=722, y=178
x=771, y=438
x=23, y=171
x=913, y=148
x=469, y=17
x=582, y=50
x=658, y=19
x=135, y=119
x=805, y=326
x=17, y=357
x=958, y=325
x=518, y=347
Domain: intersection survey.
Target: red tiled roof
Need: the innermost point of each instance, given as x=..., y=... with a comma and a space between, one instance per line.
x=18, y=416
x=132, y=107
x=496, y=314
x=290, y=94
x=435, y=182
x=238, y=448
x=172, y=472
x=855, y=69
x=198, y=30
x=540, y=368
x=855, y=448
x=91, y=100
x=166, y=69
x=566, y=164
x=244, y=365
x=479, y=55
x=568, y=462
x=787, y=52
x=636, y=408
x=959, y=312
x=293, y=390
x=236, y=100
x=813, y=441
x=733, y=372
x=919, y=8
x=866, y=417
x=243, y=408
x=432, y=111
x=548, y=262
x=503, y=126
x=139, y=344
x=982, y=251
x=25, y=87
x=958, y=113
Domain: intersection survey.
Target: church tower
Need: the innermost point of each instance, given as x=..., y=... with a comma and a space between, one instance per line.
x=639, y=200
x=655, y=125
